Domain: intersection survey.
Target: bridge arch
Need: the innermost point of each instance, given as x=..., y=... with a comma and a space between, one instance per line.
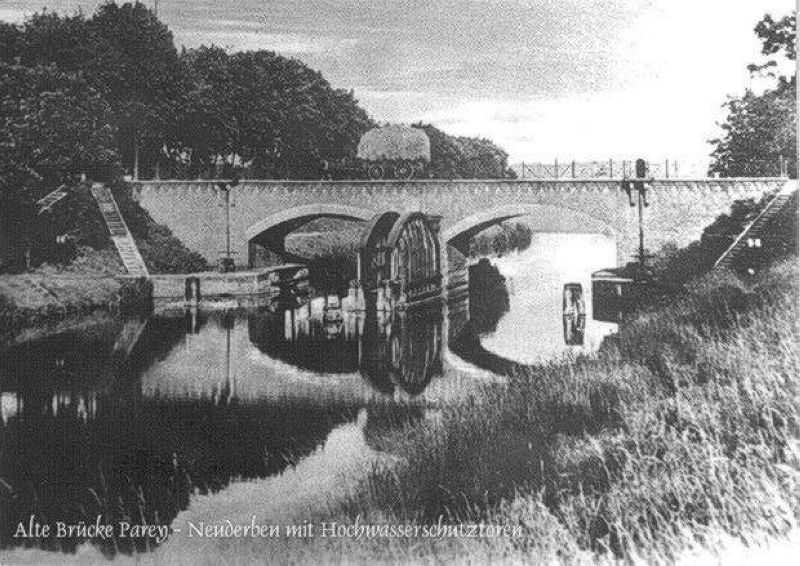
x=546, y=219
x=299, y=215
x=272, y=230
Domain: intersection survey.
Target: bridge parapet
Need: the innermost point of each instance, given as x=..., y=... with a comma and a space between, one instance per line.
x=600, y=182
x=680, y=208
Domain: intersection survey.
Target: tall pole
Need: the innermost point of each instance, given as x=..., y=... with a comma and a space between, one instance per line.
x=228, y=357
x=228, y=221
x=641, y=173
x=641, y=229
x=639, y=185
x=136, y=160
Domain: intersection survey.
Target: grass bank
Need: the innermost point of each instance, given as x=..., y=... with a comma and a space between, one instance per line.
x=681, y=432
x=54, y=298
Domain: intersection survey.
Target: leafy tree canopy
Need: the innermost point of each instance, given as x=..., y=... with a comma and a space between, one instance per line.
x=760, y=129
x=54, y=127
x=123, y=51
x=273, y=115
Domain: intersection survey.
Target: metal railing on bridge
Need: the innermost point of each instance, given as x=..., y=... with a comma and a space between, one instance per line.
x=666, y=169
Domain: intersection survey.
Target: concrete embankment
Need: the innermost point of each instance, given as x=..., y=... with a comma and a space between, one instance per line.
x=207, y=289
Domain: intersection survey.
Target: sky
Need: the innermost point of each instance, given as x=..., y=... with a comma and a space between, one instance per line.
x=544, y=79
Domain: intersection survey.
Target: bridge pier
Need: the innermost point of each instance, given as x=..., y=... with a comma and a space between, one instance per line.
x=456, y=272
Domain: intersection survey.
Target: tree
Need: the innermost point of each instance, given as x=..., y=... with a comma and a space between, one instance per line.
x=136, y=66
x=760, y=129
x=54, y=127
x=125, y=53
x=204, y=129
x=272, y=116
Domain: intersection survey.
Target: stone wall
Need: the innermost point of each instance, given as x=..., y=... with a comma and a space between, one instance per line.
x=679, y=209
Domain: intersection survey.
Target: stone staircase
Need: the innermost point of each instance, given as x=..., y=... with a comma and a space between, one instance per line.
x=758, y=231
x=122, y=237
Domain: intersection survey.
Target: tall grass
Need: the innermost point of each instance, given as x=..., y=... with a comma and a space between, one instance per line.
x=683, y=428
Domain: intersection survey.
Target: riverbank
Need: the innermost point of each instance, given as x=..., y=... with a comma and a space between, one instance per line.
x=676, y=443
x=51, y=300
x=677, y=438
x=682, y=430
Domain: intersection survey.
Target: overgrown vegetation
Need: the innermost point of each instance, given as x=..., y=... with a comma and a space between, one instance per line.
x=460, y=157
x=78, y=217
x=675, y=265
x=762, y=127
x=682, y=429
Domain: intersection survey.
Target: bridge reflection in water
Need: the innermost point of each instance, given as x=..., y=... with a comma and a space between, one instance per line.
x=393, y=351
x=194, y=406
x=128, y=421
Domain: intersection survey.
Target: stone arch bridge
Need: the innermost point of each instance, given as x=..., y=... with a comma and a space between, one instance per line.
x=264, y=212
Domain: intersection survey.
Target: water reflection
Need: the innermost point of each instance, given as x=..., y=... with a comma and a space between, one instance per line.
x=86, y=433
x=535, y=329
x=403, y=350
x=394, y=351
x=128, y=420
x=574, y=315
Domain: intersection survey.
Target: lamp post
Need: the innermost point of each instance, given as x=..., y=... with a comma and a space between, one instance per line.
x=225, y=185
x=640, y=186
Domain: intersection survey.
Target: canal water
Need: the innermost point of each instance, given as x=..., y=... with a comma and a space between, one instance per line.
x=148, y=420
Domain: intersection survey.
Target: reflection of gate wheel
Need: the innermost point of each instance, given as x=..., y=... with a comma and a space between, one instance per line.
x=404, y=171
x=376, y=172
